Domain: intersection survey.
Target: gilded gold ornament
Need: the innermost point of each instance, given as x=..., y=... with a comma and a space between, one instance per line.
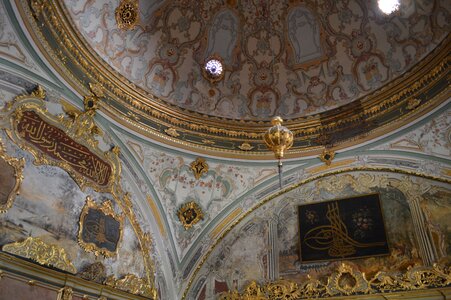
x=127, y=14
x=327, y=156
x=41, y=252
x=132, y=284
x=16, y=175
x=189, y=214
x=346, y=281
x=199, y=167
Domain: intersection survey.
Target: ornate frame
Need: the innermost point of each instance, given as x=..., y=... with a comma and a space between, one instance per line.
x=18, y=165
x=107, y=209
x=79, y=126
x=195, y=208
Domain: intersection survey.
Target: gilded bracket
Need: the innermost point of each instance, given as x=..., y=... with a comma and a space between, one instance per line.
x=16, y=166
x=92, y=233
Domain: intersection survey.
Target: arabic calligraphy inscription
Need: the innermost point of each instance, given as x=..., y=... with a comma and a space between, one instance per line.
x=55, y=143
x=338, y=229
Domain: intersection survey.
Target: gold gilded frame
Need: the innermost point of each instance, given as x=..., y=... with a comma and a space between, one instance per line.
x=18, y=165
x=107, y=209
x=185, y=208
x=35, y=102
x=199, y=167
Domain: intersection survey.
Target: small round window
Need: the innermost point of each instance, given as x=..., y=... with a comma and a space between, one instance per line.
x=213, y=69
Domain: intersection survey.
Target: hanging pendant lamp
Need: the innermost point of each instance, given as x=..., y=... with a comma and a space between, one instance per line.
x=278, y=138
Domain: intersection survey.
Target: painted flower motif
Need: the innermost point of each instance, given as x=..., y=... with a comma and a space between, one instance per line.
x=360, y=44
x=170, y=53
x=363, y=223
x=183, y=23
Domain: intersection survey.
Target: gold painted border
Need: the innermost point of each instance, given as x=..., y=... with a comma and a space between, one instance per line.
x=290, y=188
x=107, y=209
x=18, y=165
x=390, y=97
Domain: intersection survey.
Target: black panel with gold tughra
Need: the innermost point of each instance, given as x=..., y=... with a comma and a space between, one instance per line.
x=342, y=229
x=100, y=229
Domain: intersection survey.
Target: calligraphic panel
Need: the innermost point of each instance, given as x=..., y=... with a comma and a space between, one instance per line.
x=101, y=230
x=55, y=143
x=342, y=229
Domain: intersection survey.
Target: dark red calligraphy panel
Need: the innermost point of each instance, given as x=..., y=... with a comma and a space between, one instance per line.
x=55, y=143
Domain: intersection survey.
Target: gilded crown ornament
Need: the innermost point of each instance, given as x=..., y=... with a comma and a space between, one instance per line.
x=278, y=139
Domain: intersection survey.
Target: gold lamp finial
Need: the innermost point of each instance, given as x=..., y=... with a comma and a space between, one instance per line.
x=278, y=138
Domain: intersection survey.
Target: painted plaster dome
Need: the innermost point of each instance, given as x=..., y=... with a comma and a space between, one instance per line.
x=288, y=58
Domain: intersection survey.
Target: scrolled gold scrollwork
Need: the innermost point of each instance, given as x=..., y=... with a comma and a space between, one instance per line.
x=346, y=281
x=132, y=284
x=18, y=165
x=199, y=167
x=41, y=252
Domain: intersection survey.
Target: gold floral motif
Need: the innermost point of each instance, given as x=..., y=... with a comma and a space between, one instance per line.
x=18, y=165
x=346, y=281
x=45, y=254
x=327, y=156
x=246, y=146
x=199, y=167
x=172, y=132
x=189, y=214
x=127, y=14
x=65, y=293
x=107, y=209
x=132, y=284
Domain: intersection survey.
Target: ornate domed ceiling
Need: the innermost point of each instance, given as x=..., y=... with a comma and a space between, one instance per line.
x=336, y=70
x=286, y=58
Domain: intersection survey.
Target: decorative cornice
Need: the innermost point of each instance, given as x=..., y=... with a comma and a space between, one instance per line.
x=45, y=254
x=384, y=110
